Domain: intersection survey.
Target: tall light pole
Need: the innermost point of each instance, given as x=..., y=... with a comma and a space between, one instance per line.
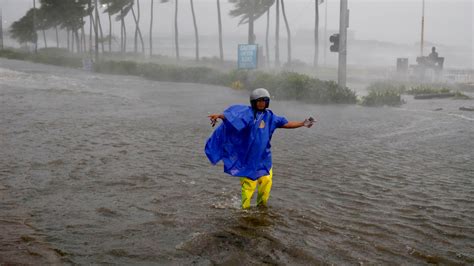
x=422, y=28
x=316, y=34
x=343, y=25
x=325, y=32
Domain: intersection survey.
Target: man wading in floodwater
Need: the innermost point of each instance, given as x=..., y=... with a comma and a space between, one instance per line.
x=242, y=142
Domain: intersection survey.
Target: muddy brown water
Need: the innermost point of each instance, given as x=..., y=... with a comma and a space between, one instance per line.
x=111, y=169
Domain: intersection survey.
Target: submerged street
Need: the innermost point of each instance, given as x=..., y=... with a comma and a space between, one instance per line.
x=111, y=169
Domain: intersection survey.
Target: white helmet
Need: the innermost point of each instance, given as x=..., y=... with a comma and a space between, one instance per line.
x=259, y=93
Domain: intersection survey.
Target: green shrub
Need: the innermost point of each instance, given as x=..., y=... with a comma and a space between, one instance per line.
x=387, y=86
x=381, y=94
x=181, y=74
x=378, y=98
x=116, y=67
x=54, y=51
x=294, y=86
x=260, y=79
x=58, y=60
x=12, y=54
x=461, y=96
x=284, y=85
x=427, y=89
x=52, y=56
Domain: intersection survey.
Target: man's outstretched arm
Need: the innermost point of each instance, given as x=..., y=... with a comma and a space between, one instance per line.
x=296, y=124
x=293, y=124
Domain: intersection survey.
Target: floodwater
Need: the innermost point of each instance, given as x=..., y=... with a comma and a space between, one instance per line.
x=110, y=169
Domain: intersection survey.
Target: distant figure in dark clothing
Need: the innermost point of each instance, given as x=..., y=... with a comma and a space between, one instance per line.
x=433, y=56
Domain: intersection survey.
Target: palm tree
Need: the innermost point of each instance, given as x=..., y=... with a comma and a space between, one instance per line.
x=68, y=14
x=83, y=34
x=68, y=41
x=97, y=23
x=108, y=11
x=151, y=27
x=196, y=35
x=72, y=14
x=121, y=9
x=91, y=26
x=57, y=36
x=138, y=32
x=42, y=23
x=135, y=47
x=287, y=31
x=101, y=40
x=176, y=43
x=23, y=29
x=123, y=32
x=277, y=35
x=249, y=11
x=50, y=16
x=34, y=25
x=110, y=30
x=251, y=37
x=267, y=49
x=219, y=22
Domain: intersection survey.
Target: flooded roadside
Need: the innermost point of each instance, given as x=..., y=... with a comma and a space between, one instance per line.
x=111, y=169
x=21, y=243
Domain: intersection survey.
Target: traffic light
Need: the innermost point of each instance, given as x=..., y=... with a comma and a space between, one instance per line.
x=334, y=39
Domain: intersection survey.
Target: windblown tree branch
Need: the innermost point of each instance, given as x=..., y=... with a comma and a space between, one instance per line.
x=119, y=8
x=23, y=30
x=249, y=11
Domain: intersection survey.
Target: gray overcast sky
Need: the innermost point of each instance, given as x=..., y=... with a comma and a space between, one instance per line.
x=446, y=21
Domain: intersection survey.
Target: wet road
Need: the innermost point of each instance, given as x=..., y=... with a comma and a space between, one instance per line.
x=111, y=169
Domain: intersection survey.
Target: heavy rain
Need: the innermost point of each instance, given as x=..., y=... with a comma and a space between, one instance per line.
x=105, y=110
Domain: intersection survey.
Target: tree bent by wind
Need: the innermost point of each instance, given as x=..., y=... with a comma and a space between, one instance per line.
x=23, y=30
x=249, y=11
x=121, y=8
x=67, y=14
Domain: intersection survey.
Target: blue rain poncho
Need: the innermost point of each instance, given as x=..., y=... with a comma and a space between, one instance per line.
x=242, y=141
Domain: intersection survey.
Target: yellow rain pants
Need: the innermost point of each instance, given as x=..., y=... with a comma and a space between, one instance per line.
x=248, y=188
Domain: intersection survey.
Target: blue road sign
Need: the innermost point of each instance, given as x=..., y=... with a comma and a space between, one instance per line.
x=247, y=56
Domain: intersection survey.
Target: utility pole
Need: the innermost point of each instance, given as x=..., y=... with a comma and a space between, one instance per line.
x=343, y=25
x=1, y=30
x=316, y=34
x=422, y=28
x=325, y=33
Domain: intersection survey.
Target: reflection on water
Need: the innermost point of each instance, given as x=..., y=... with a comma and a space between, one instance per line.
x=111, y=169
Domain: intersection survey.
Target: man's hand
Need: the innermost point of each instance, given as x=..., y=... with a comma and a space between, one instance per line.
x=297, y=124
x=214, y=117
x=308, y=122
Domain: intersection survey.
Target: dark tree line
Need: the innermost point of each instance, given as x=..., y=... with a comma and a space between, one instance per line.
x=70, y=16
